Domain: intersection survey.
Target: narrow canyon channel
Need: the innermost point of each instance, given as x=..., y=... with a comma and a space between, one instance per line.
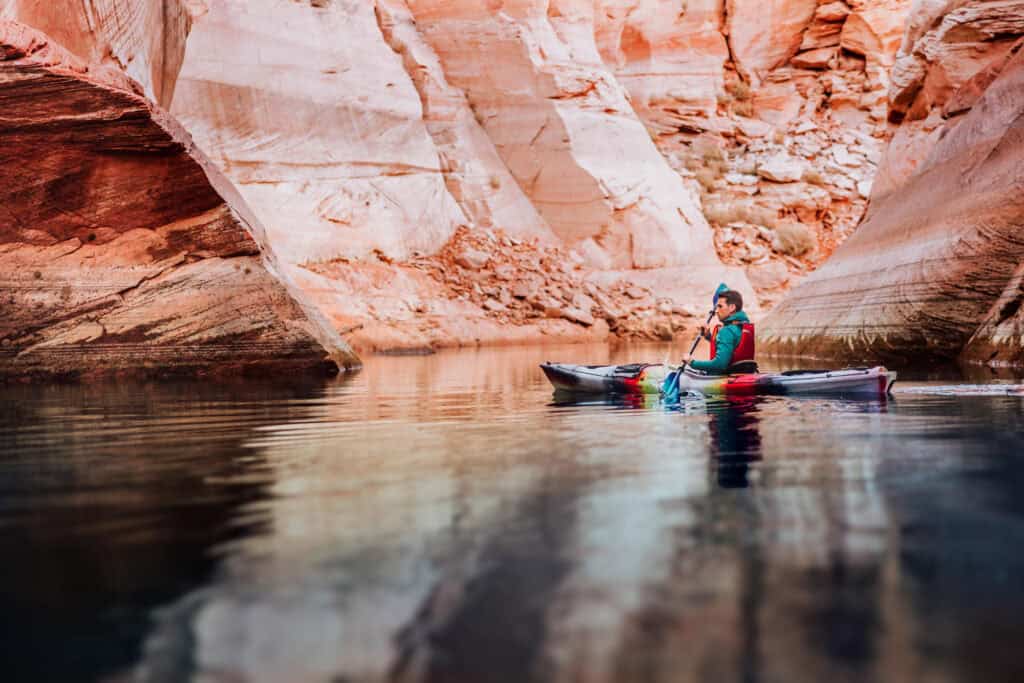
x=444, y=518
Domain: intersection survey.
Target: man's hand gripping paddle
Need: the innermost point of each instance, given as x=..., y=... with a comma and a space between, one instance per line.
x=670, y=387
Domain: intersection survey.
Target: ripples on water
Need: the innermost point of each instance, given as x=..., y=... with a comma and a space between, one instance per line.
x=444, y=518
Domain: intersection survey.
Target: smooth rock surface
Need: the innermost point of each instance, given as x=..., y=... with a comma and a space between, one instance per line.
x=365, y=135
x=323, y=135
x=946, y=46
x=764, y=35
x=565, y=128
x=122, y=249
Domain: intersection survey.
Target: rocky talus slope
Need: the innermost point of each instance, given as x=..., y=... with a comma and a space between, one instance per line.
x=122, y=249
x=935, y=269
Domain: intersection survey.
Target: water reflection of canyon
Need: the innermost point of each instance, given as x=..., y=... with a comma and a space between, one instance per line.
x=444, y=519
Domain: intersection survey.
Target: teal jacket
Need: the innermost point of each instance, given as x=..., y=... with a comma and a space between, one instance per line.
x=725, y=343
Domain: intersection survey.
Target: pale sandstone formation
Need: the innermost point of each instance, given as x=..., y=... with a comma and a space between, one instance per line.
x=143, y=38
x=122, y=249
x=564, y=127
x=496, y=120
x=313, y=116
x=474, y=174
x=950, y=53
x=934, y=271
x=669, y=55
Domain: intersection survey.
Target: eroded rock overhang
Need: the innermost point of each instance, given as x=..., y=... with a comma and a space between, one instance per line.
x=122, y=249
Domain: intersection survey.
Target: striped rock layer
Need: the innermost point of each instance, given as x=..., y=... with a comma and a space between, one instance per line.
x=121, y=248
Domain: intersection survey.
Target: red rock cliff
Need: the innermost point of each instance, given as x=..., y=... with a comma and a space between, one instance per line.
x=119, y=248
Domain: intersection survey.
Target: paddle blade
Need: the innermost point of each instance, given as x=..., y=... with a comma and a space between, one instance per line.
x=670, y=387
x=722, y=287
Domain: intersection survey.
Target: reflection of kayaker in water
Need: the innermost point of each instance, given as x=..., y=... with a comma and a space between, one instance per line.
x=732, y=342
x=735, y=440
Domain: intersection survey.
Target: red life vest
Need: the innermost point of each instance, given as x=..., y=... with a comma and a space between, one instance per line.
x=744, y=350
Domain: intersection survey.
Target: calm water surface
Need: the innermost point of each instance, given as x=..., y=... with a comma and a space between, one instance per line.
x=443, y=519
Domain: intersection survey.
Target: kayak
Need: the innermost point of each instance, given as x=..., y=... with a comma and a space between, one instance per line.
x=647, y=378
x=637, y=378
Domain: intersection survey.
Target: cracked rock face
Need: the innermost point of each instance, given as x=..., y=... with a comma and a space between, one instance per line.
x=935, y=269
x=119, y=248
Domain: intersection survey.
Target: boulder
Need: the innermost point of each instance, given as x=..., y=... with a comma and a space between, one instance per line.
x=577, y=315
x=815, y=59
x=820, y=34
x=472, y=259
x=765, y=35
x=781, y=168
x=832, y=12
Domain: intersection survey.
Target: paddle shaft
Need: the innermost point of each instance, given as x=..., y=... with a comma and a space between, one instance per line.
x=693, y=347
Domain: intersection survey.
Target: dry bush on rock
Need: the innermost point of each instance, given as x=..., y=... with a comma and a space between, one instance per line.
x=708, y=178
x=794, y=239
x=743, y=108
x=726, y=212
x=739, y=90
x=813, y=176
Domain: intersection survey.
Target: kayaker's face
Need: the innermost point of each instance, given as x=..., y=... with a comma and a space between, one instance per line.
x=723, y=310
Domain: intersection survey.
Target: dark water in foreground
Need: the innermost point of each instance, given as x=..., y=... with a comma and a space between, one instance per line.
x=439, y=518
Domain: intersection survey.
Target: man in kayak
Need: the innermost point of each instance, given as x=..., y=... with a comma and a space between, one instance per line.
x=732, y=342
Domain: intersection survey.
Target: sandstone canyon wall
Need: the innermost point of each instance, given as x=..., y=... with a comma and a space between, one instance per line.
x=935, y=269
x=408, y=157
x=121, y=248
x=440, y=173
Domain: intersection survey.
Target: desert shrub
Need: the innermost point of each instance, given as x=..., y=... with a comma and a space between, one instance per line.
x=743, y=108
x=726, y=212
x=761, y=215
x=813, y=176
x=712, y=154
x=708, y=178
x=740, y=90
x=495, y=182
x=723, y=213
x=794, y=239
